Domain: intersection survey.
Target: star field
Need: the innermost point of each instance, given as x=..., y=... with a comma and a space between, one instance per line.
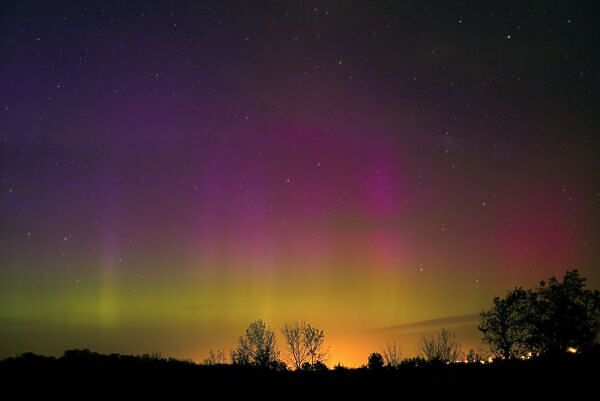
x=171, y=171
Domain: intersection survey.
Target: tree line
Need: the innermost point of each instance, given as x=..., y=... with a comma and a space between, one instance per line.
x=304, y=348
x=552, y=319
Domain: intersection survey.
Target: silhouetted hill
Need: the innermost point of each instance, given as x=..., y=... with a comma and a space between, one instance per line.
x=87, y=375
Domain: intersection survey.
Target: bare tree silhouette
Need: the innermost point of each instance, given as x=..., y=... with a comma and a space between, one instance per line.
x=391, y=355
x=293, y=334
x=305, y=344
x=442, y=348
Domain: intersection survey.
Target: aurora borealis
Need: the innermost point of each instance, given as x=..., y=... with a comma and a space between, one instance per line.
x=172, y=171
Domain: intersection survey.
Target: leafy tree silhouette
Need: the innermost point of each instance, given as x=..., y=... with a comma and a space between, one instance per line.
x=314, y=339
x=554, y=317
x=257, y=347
x=507, y=327
x=567, y=315
x=375, y=361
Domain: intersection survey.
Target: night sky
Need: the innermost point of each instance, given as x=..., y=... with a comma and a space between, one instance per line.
x=171, y=171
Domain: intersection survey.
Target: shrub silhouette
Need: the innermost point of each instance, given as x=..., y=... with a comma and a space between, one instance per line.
x=442, y=348
x=475, y=357
x=215, y=358
x=415, y=362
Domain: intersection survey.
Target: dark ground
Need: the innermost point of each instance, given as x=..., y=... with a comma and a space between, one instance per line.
x=98, y=377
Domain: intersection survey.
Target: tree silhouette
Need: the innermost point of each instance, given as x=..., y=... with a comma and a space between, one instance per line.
x=442, y=348
x=567, y=314
x=304, y=344
x=314, y=339
x=257, y=347
x=507, y=326
x=241, y=355
x=293, y=334
x=375, y=361
x=391, y=355
x=550, y=319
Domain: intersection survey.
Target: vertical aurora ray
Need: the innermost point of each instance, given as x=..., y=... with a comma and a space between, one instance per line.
x=108, y=296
